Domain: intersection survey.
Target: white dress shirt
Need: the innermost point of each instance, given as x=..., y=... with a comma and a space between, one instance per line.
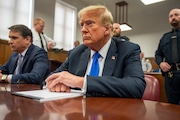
x=10, y=75
x=103, y=52
x=44, y=37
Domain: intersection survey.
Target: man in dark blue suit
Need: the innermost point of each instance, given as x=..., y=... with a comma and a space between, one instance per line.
x=120, y=73
x=28, y=63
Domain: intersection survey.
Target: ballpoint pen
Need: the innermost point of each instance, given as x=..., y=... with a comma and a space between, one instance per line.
x=43, y=85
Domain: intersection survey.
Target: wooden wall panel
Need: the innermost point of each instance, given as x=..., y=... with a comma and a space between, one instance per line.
x=8, y=52
x=5, y=51
x=60, y=55
x=1, y=53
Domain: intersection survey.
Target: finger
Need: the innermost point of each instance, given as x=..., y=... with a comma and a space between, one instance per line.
x=58, y=88
x=48, y=79
x=53, y=83
x=52, y=89
x=168, y=66
x=63, y=88
x=48, y=83
x=68, y=89
x=51, y=77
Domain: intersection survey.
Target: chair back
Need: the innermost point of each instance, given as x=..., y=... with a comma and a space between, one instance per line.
x=152, y=90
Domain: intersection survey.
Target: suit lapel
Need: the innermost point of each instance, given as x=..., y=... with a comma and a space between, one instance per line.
x=25, y=58
x=83, y=62
x=111, y=59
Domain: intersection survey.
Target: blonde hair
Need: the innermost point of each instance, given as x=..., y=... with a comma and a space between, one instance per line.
x=38, y=20
x=105, y=15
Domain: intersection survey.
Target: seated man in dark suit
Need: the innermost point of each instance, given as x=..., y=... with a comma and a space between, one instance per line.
x=28, y=63
x=117, y=67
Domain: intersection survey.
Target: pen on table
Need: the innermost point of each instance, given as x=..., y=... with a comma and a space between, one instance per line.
x=43, y=85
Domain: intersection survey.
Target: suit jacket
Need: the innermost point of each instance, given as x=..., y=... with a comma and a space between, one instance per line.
x=35, y=66
x=121, y=77
x=124, y=38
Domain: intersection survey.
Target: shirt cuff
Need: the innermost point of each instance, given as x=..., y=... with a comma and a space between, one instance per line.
x=9, y=78
x=84, y=88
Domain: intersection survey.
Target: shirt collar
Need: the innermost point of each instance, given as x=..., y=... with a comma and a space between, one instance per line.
x=103, y=51
x=24, y=52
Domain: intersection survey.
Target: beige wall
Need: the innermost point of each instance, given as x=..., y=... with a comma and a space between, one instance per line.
x=45, y=10
x=148, y=27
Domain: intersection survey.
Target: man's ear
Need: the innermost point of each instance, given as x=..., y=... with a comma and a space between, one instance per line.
x=28, y=38
x=108, y=30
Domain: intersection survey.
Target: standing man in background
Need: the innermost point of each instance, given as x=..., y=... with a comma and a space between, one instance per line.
x=168, y=58
x=39, y=38
x=117, y=32
x=28, y=63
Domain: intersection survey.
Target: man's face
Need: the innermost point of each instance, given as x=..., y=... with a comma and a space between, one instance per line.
x=39, y=27
x=174, y=18
x=17, y=42
x=116, y=30
x=93, y=32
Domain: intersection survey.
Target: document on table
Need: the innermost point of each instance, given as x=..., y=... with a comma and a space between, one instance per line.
x=46, y=95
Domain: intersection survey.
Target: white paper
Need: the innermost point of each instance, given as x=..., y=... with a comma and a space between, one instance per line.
x=46, y=95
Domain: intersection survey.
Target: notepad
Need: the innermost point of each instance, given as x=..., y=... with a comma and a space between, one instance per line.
x=46, y=95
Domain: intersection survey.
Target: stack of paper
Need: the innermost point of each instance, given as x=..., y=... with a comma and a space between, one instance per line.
x=46, y=95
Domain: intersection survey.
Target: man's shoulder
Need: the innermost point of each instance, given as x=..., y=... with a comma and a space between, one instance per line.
x=33, y=30
x=122, y=42
x=14, y=54
x=124, y=45
x=35, y=34
x=168, y=33
x=77, y=51
x=80, y=48
x=166, y=37
x=35, y=49
x=123, y=38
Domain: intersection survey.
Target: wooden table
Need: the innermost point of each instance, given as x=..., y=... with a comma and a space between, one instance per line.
x=91, y=108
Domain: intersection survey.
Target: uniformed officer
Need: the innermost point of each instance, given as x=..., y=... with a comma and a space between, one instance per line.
x=168, y=57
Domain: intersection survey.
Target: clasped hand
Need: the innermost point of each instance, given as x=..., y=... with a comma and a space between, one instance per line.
x=62, y=81
x=165, y=67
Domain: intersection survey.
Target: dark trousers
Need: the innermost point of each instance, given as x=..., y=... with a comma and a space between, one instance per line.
x=172, y=87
